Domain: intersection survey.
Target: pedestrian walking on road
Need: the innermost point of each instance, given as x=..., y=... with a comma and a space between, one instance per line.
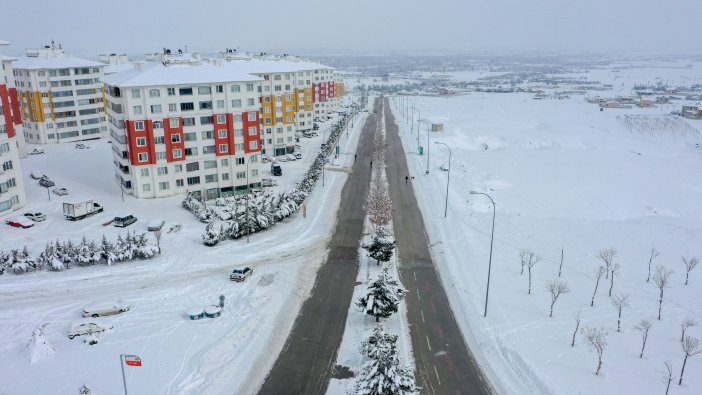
x=406, y=178
x=354, y=157
x=371, y=164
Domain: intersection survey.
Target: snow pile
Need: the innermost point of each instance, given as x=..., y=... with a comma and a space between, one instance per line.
x=39, y=346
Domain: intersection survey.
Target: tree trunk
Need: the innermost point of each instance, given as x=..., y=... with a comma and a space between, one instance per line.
x=649, y=271
x=522, y=270
x=577, y=325
x=552, y=303
x=377, y=318
x=560, y=268
x=667, y=387
x=599, y=365
x=597, y=284
x=686, y=276
x=619, y=321
x=660, y=305
x=683, y=370
x=611, y=284
x=529, y=293
x=643, y=346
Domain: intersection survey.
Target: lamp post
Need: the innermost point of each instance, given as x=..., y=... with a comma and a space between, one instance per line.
x=418, y=118
x=428, y=132
x=248, y=186
x=492, y=235
x=448, y=179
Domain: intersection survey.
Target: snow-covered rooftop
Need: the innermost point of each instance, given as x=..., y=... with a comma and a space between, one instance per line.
x=159, y=73
x=272, y=65
x=53, y=62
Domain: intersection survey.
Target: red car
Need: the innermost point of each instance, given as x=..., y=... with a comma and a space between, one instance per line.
x=19, y=223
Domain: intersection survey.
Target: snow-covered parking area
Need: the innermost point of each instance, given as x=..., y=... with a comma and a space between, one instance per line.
x=227, y=354
x=564, y=175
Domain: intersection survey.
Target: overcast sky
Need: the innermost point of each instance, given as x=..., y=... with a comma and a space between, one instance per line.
x=356, y=26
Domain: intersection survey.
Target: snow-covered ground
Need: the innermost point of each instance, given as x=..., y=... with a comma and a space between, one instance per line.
x=563, y=175
x=228, y=354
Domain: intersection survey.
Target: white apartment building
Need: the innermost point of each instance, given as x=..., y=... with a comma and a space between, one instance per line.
x=178, y=124
x=61, y=96
x=12, y=196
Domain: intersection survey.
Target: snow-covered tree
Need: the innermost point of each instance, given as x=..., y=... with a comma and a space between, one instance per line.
x=620, y=302
x=39, y=346
x=599, y=272
x=685, y=325
x=386, y=376
x=84, y=257
x=107, y=250
x=211, y=236
x=4, y=261
x=690, y=347
x=84, y=390
x=654, y=254
x=690, y=263
x=643, y=326
x=607, y=256
x=382, y=297
x=661, y=278
x=381, y=246
x=379, y=344
x=142, y=248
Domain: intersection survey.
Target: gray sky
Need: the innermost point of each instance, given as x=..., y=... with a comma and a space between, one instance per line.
x=356, y=26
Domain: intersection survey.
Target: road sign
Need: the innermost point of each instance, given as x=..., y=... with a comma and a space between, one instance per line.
x=132, y=360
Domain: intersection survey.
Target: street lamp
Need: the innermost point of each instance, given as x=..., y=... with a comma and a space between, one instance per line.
x=448, y=179
x=248, y=187
x=428, y=133
x=418, y=118
x=492, y=235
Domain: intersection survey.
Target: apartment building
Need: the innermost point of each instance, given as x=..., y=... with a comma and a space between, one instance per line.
x=12, y=196
x=179, y=124
x=61, y=96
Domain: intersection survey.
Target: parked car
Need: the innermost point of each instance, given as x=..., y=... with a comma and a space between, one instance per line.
x=315, y=126
x=36, y=151
x=37, y=174
x=81, y=146
x=281, y=158
x=124, y=221
x=265, y=158
x=276, y=170
x=46, y=182
x=20, y=223
x=241, y=274
x=298, y=155
x=291, y=157
x=81, y=328
x=60, y=191
x=102, y=309
x=36, y=217
x=155, y=225
x=268, y=182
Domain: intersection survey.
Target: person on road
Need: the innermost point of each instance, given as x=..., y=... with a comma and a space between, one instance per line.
x=406, y=178
x=354, y=157
x=371, y=164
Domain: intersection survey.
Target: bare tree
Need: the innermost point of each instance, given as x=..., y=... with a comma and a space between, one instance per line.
x=613, y=270
x=560, y=267
x=690, y=346
x=662, y=280
x=684, y=325
x=690, y=263
x=643, y=326
x=607, y=255
x=654, y=254
x=532, y=259
x=525, y=256
x=596, y=340
x=619, y=302
x=669, y=376
x=577, y=325
x=599, y=272
x=556, y=288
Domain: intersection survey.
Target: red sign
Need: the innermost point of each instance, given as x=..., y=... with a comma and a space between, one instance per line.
x=132, y=360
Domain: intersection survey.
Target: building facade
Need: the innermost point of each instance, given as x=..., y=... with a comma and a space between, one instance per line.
x=61, y=97
x=178, y=125
x=12, y=195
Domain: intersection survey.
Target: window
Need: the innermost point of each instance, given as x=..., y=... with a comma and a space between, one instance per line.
x=143, y=157
x=185, y=91
x=158, y=125
x=162, y=170
x=191, y=136
x=146, y=187
x=253, y=159
x=222, y=133
x=141, y=141
x=240, y=175
x=236, y=103
x=223, y=148
x=136, y=94
x=221, y=119
x=288, y=118
x=253, y=144
x=178, y=168
x=175, y=138
x=254, y=172
x=191, y=151
x=171, y=91
x=189, y=106
x=193, y=180
x=208, y=149
x=207, y=134
x=174, y=122
x=41, y=74
x=220, y=103
x=161, y=155
x=239, y=147
x=237, y=118
x=155, y=93
x=159, y=140
x=179, y=182
x=172, y=107
x=207, y=120
x=204, y=90
x=177, y=153
x=188, y=121
x=253, y=130
x=219, y=88
x=139, y=125
x=205, y=105
x=225, y=177
x=224, y=162
x=235, y=88
x=211, y=178
x=240, y=161
x=194, y=166
x=156, y=109
x=250, y=102
x=249, y=87
x=144, y=172
x=163, y=185
x=137, y=110
x=210, y=164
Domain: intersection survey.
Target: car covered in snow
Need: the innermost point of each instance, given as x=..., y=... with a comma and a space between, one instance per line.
x=124, y=221
x=46, y=182
x=60, y=191
x=36, y=217
x=81, y=328
x=291, y=157
x=241, y=274
x=155, y=225
x=102, y=309
x=37, y=174
x=19, y=223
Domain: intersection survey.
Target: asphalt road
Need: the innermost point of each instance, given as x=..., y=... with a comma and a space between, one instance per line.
x=305, y=364
x=444, y=363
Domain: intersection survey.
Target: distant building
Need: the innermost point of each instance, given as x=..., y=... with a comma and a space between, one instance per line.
x=692, y=112
x=61, y=96
x=12, y=195
x=614, y=104
x=446, y=92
